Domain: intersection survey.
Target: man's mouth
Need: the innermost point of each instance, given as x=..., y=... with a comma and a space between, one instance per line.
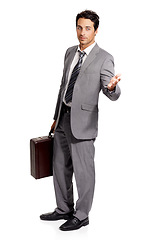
x=83, y=38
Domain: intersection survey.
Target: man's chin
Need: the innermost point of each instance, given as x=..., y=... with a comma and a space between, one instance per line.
x=83, y=43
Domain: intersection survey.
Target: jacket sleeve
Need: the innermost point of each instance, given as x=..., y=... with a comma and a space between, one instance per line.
x=107, y=72
x=58, y=101
x=59, y=94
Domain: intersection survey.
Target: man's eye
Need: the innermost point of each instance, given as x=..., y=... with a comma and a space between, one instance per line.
x=88, y=29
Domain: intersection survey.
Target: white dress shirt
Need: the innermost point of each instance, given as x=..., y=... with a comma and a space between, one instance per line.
x=73, y=64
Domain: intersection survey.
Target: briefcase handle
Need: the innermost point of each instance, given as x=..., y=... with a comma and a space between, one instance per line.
x=51, y=133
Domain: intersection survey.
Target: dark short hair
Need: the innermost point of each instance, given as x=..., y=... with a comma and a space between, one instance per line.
x=87, y=14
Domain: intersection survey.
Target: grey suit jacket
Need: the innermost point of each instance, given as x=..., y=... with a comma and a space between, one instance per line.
x=94, y=76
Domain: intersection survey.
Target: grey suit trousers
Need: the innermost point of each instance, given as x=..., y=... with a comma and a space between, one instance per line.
x=73, y=156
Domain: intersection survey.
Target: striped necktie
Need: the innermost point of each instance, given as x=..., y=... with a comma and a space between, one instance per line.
x=74, y=75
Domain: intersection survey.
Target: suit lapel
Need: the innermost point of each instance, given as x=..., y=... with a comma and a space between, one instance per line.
x=69, y=61
x=90, y=58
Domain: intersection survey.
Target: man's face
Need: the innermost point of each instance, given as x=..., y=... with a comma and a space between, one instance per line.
x=85, y=32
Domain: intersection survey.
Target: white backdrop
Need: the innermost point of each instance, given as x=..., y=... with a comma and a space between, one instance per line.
x=34, y=35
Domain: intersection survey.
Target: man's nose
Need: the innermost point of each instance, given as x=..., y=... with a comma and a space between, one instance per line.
x=83, y=31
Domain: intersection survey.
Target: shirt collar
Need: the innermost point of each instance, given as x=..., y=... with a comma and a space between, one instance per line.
x=88, y=49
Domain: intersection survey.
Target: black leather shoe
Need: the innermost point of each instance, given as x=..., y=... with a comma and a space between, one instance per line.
x=54, y=216
x=74, y=224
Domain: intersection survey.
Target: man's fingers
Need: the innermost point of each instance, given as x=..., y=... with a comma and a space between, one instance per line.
x=118, y=75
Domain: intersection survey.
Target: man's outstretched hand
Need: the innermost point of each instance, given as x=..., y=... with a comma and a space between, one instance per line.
x=113, y=82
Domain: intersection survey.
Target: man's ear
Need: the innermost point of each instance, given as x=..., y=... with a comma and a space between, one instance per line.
x=96, y=32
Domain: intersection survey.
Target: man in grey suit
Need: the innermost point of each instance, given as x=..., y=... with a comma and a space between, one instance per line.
x=88, y=69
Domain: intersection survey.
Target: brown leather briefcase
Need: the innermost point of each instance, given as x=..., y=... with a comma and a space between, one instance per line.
x=41, y=152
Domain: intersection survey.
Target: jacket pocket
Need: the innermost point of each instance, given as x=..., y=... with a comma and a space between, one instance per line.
x=90, y=108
